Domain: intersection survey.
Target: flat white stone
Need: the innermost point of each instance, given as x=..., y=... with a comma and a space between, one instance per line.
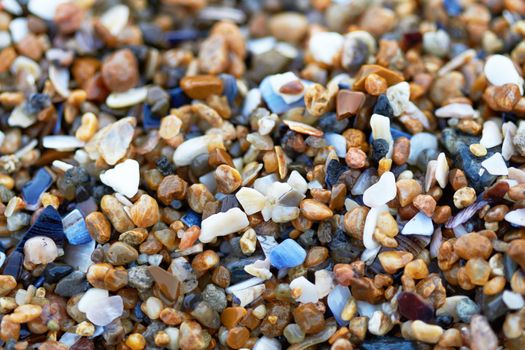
x=44, y=9
x=381, y=130
x=124, y=178
x=516, y=217
x=115, y=19
x=20, y=118
x=370, y=226
x=191, y=148
x=62, y=142
x=222, y=224
x=495, y=165
x=455, y=110
x=338, y=142
x=251, y=102
x=128, y=98
x=508, y=149
x=324, y=46
x=105, y=311
x=278, y=80
x=91, y=297
x=399, y=97
x=382, y=191
x=307, y=288
x=259, y=269
x=324, y=282
x=430, y=176
x=18, y=28
x=442, y=170
x=59, y=77
x=500, y=70
x=297, y=182
x=246, y=296
x=23, y=63
x=517, y=175
x=514, y=301
x=252, y=201
x=491, y=134
x=420, y=224
x=282, y=214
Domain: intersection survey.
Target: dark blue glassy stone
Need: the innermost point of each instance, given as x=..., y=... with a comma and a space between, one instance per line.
x=396, y=133
x=13, y=264
x=388, y=343
x=383, y=107
x=34, y=188
x=191, y=218
x=175, y=37
x=49, y=224
x=54, y=272
x=230, y=87
x=60, y=115
x=75, y=228
x=149, y=121
x=39, y=282
x=178, y=97
x=333, y=172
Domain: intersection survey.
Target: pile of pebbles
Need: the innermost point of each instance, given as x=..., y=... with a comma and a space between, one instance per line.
x=266, y=175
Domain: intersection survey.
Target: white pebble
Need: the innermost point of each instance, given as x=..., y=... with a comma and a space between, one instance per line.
x=128, y=98
x=420, y=224
x=399, y=97
x=19, y=117
x=18, y=28
x=324, y=282
x=59, y=77
x=338, y=142
x=370, y=226
x=382, y=191
x=12, y=6
x=62, y=142
x=252, y=201
x=495, y=165
x=115, y=19
x=442, y=170
x=222, y=224
x=455, y=110
x=324, y=46
x=5, y=39
x=44, y=9
x=298, y=182
x=380, y=126
x=192, y=148
x=514, y=301
x=491, y=135
x=124, y=178
x=92, y=297
x=251, y=102
x=500, y=70
x=307, y=289
x=516, y=217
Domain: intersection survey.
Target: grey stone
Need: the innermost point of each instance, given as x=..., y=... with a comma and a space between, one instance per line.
x=73, y=284
x=215, y=296
x=466, y=308
x=140, y=278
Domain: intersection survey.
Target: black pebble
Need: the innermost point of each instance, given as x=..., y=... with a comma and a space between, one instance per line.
x=380, y=149
x=55, y=272
x=164, y=166
x=383, y=107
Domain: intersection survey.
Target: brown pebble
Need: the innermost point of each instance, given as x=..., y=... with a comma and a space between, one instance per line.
x=68, y=17
x=516, y=251
x=375, y=85
x=314, y=210
x=309, y=318
x=98, y=226
x=201, y=86
x=172, y=187
x=355, y=158
x=237, y=337
x=145, y=211
x=401, y=150
x=457, y=179
x=473, y=245
x=116, y=214
x=228, y=178
x=407, y=190
x=120, y=71
x=349, y=103
x=425, y=203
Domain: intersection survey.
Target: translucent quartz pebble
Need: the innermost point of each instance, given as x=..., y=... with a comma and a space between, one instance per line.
x=124, y=178
x=75, y=228
x=419, y=225
x=222, y=224
x=92, y=297
x=79, y=256
x=106, y=311
x=337, y=300
x=382, y=191
x=500, y=70
x=287, y=254
x=308, y=292
x=293, y=333
x=34, y=188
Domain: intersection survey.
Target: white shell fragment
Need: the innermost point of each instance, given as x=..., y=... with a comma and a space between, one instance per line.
x=442, y=170
x=382, y=191
x=455, y=110
x=500, y=70
x=20, y=118
x=191, y=148
x=298, y=182
x=495, y=165
x=62, y=142
x=381, y=130
x=247, y=295
x=115, y=19
x=338, y=142
x=507, y=149
x=370, y=226
x=127, y=98
x=516, y=217
x=324, y=46
x=324, y=282
x=419, y=225
x=59, y=77
x=124, y=178
x=222, y=224
x=491, y=136
x=252, y=201
x=308, y=291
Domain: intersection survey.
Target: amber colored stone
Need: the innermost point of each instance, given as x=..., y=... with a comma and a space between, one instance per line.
x=314, y=210
x=172, y=187
x=7, y=56
x=84, y=68
x=120, y=70
x=115, y=279
x=168, y=283
x=277, y=318
x=407, y=190
x=96, y=89
x=189, y=237
x=116, y=214
x=337, y=197
x=237, y=337
x=416, y=269
x=151, y=245
x=390, y=76
x=425, y=203
x=315, y=256
x=250, y=320
x=31, y=47
x=221, y=276
x=393, y=260
x=98, y=226
x=348, y=103
x=441, y=214
x=473, y=245
x=171, y=316
x=309, y=318
x=375, y=85
x=364, y=289
x=201, y=86
x=219, y=156
x=401, y=150
x=145, y=211
x=516, y=251
x=134, y=237
x=344, y=274
x=457, y=179
x=205, y=261
x=228, y=178
x=231, y=316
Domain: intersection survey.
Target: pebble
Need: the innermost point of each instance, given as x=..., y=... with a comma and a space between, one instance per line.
x=120, y=71
x=73, y=284
x=398, y=96
x=500, y=70
x=222, y=224
x=420, y=224
x=124, y=178
x=287, y=254
x=382, y=191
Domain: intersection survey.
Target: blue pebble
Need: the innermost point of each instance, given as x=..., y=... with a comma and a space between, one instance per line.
x=149, y=121
x=75, y=228
x=337, y=300
x=396, y=133
x=39, y=282
x=34, y=188
x=274, y=101
x=287, y=254
x=452, y=7
x=191, y=218
x=60, y=115
x=178, y=97
x=175, y=37
x=230, y=87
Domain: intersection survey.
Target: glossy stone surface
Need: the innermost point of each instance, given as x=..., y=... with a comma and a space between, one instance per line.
x=287, y=254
